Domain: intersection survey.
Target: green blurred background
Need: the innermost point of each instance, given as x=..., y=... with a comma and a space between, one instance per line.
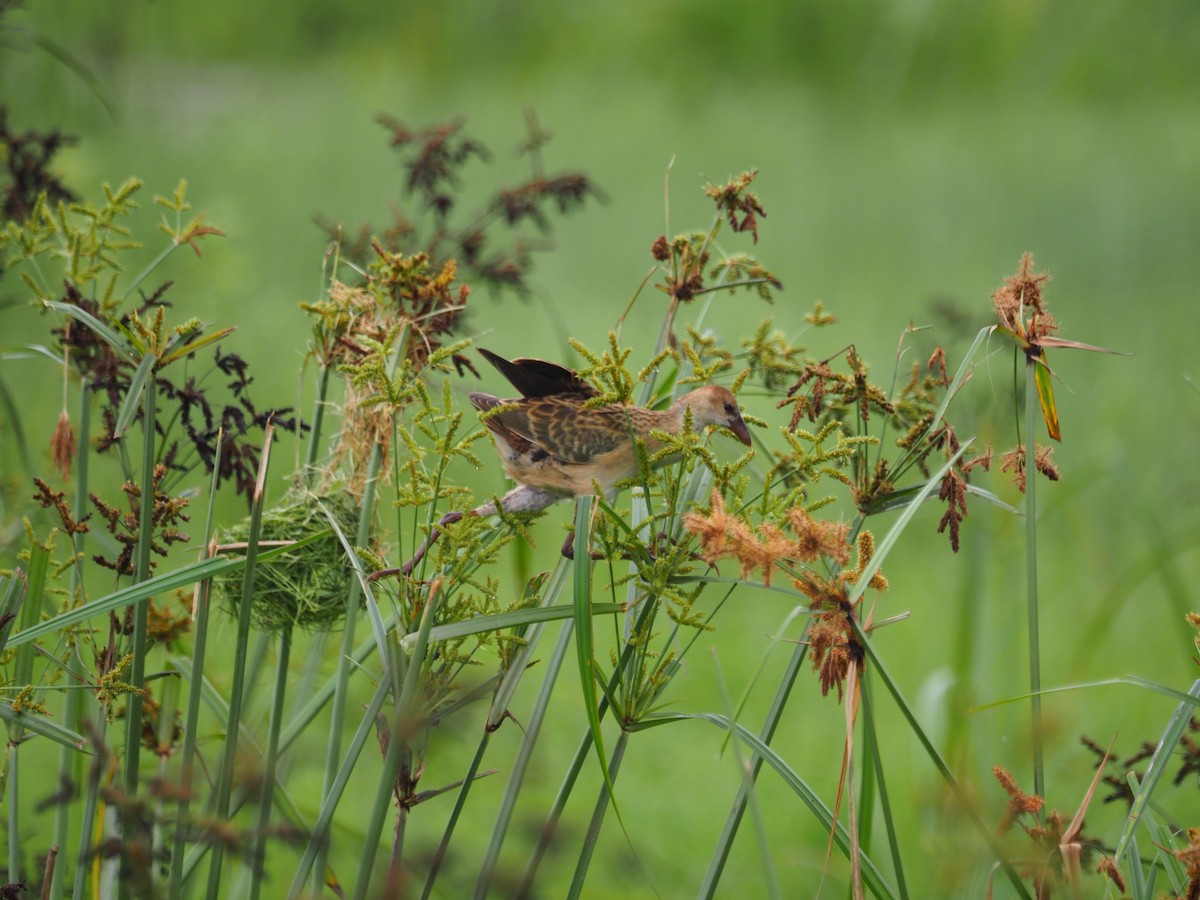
x=908, y=153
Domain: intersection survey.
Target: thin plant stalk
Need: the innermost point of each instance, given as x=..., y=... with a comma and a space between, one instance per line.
x=768, y=866
x=237, y=684
x=200, y=614
x=733, y=821
x=73, y=710
x=320, y=828
x=546, y=833
x=460, y=801
x=164, y=746
x=137, y=675
x=337, y=712
x=521, y=763
x=876, y=757
x=1031, y=590
x=868, y=787
x=593, y=833
x=91, y=803
x=548, y=828
x=256, y=661
x=69, y=771
x=30, y=612
x=398, y=750
x=496, y=716
x=393, y=761
x=939, y=763
x=318, y=421
x=272, y=756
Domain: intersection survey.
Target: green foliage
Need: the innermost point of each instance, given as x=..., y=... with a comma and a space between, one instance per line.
x=386, y=529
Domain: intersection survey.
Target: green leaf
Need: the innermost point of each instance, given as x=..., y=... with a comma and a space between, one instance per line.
x=193, y=346
x=29, y=351
x=132, y=401
x=873, y=879
x=119, y=345
x=510, y=619
x=43, y=726
x=584, y=637
x=1045, y=390
x=190, y=574
x=1176, y=726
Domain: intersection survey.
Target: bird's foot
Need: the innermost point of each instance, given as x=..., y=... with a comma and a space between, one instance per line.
x=568, y=549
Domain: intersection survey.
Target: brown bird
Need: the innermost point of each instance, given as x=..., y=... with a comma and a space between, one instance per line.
x=556, y=447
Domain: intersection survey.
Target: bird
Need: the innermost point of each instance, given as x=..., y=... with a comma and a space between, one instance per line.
x=555, y=446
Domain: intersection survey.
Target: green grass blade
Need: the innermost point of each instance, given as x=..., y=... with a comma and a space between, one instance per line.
x=237, y=681
x=938, y=762
x=1137, y=878
x=587, y=846
x=399, y=749
x=29, y=612
x=373, y=615
x=497, y=621
x=439, y=855
x=774, y=715
x=1031, y=586
x=15, y=586
x=1176, y=726
x=747, y=788
x=341, y=681
x=884, y=547
x=873, y=879
x=521, y=764
x=43, y=726
x=133, y=397
x=140, y=643
x=550, y=585
x=1164, y=841
x=203, y=606
x=872, y=741
x=319, y=836
x=119, y=345
x=584, y=636
x=160, y=584
x=174, y=354
x=266, y=801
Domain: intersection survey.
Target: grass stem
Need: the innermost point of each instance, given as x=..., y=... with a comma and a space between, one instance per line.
x=1032, y=406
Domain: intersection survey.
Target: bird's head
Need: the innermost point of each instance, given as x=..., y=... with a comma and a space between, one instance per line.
x=716, y=405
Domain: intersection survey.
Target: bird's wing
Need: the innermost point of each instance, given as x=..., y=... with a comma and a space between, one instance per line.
x=501, y=424
x=539, y=378
x=566, y=430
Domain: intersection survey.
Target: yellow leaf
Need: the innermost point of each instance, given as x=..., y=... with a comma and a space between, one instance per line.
x=1041, y=375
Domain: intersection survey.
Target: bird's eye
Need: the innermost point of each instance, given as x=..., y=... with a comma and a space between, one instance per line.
x=729, y=408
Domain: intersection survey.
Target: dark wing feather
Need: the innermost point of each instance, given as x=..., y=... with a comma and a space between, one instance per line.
x=539, y=378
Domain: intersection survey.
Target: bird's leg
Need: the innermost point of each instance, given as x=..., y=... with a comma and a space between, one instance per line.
x=448, y=519
x=406, y=569
x=520, y=499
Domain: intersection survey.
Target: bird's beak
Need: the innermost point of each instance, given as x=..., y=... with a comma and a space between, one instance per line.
x=738, y=427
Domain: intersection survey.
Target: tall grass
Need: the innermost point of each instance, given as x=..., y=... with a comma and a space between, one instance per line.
x=454, y=642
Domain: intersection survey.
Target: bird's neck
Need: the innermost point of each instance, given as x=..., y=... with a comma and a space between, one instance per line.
x=669, y=420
